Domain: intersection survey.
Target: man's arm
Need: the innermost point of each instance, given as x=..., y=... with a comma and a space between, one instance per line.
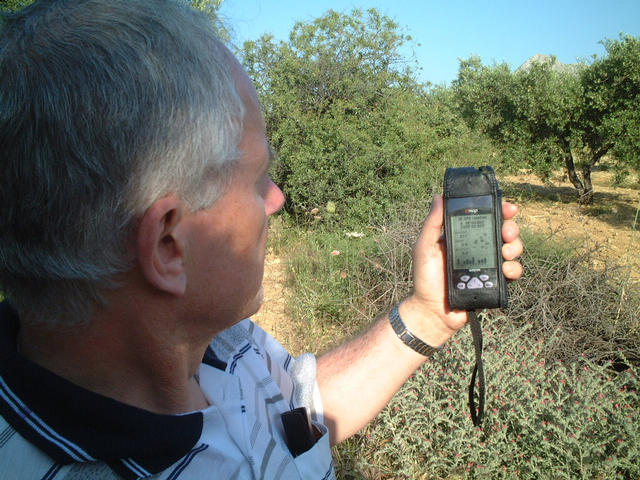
x=358, y=378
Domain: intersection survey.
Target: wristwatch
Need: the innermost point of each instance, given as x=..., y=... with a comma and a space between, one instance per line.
x=407, y=337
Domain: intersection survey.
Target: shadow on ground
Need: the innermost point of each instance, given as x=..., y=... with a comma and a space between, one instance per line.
x=613, y=208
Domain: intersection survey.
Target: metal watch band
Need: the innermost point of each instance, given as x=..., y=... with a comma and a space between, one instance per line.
x=407, y=337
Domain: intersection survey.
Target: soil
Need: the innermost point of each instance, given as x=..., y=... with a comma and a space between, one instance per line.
x=273, y=314
x=609, y=225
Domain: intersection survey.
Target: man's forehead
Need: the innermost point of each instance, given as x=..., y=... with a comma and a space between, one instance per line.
x=246, y=89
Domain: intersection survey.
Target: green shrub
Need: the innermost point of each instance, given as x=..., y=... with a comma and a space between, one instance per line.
x=339, y=279
x=542, y=420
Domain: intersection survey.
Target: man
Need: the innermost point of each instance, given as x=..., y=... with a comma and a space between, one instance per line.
x=135, y=202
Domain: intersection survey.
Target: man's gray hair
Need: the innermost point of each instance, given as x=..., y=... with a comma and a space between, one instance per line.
x=105, y=107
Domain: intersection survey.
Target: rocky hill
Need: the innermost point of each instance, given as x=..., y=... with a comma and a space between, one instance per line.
x=556, y=65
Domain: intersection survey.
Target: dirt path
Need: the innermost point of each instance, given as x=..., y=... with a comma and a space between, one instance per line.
x=272, y=316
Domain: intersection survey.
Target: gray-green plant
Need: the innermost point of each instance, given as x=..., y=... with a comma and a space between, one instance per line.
x=543, y=420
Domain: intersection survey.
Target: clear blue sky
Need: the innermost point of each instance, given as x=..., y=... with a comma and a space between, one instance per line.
x=509, y=31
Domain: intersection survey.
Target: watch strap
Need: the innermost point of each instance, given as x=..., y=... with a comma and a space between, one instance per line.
x=407, y=337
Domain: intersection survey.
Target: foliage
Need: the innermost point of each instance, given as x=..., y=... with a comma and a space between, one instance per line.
x=454, y=143
x=209, y=7
x=13, y=5
x=530, y=113
x=484, y=96
x=544, y=117
x=543, y=419
x=344, y=114
x=610, y=117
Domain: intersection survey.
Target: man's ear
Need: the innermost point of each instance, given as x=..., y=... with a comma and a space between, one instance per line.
x=160, y=246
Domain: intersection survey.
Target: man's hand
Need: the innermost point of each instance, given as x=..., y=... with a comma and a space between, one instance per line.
x=429, y=298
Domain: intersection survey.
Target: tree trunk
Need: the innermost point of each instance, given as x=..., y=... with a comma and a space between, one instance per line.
x=583, y=186
x=575, y=179
x=585, y=197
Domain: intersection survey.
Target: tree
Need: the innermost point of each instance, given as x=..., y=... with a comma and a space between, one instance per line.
x=485, y=97
x=528, y=113
x=610, y=116
x=343, y=111
x=547, y=104
x=544, y=118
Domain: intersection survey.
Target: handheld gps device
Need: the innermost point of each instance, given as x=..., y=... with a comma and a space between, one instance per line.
x=473, y=235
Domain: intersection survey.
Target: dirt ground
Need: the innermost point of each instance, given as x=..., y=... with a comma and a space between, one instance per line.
x=607, y=224
x=610, y=224
x=273, y=315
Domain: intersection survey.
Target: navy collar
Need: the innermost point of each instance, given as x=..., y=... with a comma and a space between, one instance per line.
x=71, y=424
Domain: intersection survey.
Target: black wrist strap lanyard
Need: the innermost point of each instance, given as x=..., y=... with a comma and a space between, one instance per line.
x=478, y=370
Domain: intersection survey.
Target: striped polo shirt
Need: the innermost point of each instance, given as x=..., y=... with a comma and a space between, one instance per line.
x=53, y=429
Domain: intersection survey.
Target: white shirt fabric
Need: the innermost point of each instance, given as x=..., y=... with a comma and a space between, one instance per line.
x=251, y=439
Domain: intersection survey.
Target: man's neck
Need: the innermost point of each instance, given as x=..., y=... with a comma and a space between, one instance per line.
x=132, y=361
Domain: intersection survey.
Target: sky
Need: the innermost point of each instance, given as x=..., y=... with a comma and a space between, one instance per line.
x=445, y=31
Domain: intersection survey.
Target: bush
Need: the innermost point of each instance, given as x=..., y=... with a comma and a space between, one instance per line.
x=543, y=419
x=593, y=312
x=351, y=124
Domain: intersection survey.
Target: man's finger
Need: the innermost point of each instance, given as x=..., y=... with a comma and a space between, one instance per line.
x=512, y=250
x=510, y=231
x=512, y=270
x=509, y=210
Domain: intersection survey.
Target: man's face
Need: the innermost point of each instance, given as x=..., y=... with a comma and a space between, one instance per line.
x=226, y=255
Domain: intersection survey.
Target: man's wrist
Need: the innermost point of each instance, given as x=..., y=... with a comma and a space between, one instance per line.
x=407, y=336
x=424, y=323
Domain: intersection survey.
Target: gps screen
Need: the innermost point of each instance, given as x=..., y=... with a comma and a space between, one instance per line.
x=473, y=243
